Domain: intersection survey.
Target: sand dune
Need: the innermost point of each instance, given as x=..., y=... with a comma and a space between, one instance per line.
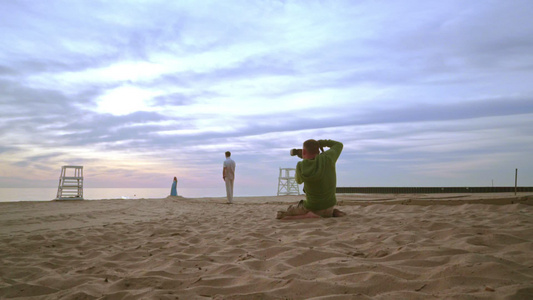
x=388, y=247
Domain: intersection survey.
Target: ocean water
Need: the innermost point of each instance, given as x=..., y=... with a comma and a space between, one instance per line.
x=47, y=194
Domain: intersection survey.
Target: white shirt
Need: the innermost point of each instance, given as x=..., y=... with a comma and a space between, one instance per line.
x=229, y=164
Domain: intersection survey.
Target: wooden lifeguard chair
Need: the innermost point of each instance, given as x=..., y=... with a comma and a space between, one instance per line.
x=286, y=183
x=70, y=183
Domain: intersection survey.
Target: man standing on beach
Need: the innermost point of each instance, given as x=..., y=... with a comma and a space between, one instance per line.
x=228, y=174
x=317, y=172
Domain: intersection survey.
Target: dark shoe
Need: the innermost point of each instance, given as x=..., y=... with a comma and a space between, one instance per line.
x=337, y=213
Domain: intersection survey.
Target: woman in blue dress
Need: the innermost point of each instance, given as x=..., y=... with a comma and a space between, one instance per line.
x=173, y=190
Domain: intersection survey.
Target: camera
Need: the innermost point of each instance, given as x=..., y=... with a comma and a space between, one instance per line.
x=296, y=152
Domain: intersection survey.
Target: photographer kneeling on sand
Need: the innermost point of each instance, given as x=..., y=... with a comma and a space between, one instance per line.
x=317, y=172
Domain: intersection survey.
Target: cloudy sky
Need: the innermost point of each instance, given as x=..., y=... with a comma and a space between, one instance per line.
x=421, y=93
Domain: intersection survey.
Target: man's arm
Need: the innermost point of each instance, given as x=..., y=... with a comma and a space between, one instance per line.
x=298, y=175
x=335, y=148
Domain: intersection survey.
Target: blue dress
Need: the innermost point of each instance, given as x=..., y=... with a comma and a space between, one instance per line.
x=173, y=190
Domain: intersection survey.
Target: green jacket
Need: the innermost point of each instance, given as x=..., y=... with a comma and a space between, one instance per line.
x=319, y=176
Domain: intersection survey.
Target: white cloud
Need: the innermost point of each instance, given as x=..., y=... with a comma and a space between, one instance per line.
x=126, y=100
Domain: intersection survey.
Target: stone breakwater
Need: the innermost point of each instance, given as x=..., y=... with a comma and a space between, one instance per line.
x=432, y=190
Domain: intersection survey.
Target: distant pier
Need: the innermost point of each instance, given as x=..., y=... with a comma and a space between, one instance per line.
x=432, y=190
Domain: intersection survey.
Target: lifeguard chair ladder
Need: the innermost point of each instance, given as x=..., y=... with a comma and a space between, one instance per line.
x=286, y=183
x=70, y=183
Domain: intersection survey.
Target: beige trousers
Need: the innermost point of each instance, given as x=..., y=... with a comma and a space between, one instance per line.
x=229, y=189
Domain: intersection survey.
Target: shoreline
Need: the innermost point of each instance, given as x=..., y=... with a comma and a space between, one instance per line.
x=416, y=198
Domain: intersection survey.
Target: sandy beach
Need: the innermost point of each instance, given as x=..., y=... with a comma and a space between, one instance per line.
x=425, y=246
